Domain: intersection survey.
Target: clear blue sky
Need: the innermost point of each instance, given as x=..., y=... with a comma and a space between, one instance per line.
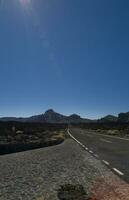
x=69, y=55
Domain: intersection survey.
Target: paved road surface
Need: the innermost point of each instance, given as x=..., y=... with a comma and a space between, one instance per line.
x=38, y=174
x=113, y=151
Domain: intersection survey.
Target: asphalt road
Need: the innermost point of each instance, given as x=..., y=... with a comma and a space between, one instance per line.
x=112, y=151
x=39, y=174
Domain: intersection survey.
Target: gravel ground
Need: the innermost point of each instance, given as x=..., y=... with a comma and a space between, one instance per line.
x=38, y=174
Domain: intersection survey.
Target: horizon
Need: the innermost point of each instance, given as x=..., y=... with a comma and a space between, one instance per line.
x=68, y=55
x=65, y=114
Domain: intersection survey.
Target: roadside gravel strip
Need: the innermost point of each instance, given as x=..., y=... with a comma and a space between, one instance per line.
x=38, y=174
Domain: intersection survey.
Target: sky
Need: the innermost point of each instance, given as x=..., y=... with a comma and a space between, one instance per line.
x=68, y=55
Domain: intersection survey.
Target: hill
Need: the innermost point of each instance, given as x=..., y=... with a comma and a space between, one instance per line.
x=109, y=118
x=50, y=116
x=123, y=117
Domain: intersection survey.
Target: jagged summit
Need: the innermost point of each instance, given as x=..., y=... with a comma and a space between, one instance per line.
x=50, y=116
x=49, y=111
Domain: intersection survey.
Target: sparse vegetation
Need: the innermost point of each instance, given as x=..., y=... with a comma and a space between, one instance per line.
x=70, y=192
x=15, y=136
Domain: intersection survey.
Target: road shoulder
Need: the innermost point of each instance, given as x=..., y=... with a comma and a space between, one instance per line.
x=38, y=174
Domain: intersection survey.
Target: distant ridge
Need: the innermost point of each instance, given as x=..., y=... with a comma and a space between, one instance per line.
x=123, y=117
x=50, y=116
x=109, y=118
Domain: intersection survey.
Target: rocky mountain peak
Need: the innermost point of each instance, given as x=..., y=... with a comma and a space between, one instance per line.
x=50, y=111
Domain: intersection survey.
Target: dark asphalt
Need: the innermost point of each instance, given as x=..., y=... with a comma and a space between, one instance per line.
x=111, y=149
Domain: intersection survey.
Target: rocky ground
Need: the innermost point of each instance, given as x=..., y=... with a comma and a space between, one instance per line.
x=53, y=173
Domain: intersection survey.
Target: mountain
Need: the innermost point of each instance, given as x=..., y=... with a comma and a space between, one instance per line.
x=53, y=117
x=123, y=117
x=74, y=118
x=109, y=118
x=50, y=116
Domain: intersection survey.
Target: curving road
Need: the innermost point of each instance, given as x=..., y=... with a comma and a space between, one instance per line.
x=112, y=151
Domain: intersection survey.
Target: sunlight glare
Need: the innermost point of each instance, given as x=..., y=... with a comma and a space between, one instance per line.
x=25, y=2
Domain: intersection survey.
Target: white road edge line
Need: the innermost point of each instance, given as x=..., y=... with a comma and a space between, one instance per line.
x=105, y=162
x=81, y=143
x=78, y=141
x=118, y=172
x=75, y=139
